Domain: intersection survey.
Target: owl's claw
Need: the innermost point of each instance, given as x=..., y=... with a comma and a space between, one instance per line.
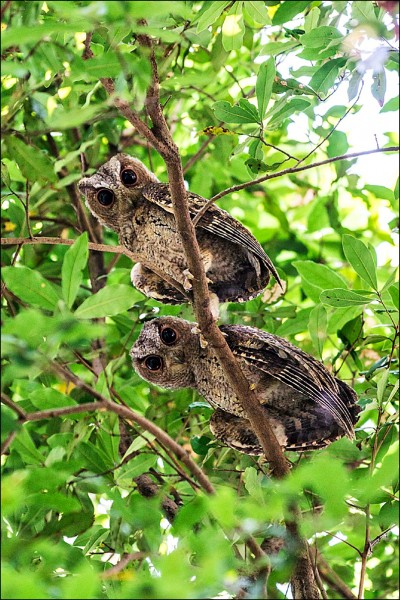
x=187, y=279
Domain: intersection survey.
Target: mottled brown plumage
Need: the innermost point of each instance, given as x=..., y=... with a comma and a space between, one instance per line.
x=307, y=407
x=125, y=196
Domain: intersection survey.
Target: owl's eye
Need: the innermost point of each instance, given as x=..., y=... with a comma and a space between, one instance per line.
x=168, y=336
x=105, y=197
x=153, y=363
x=128, y=177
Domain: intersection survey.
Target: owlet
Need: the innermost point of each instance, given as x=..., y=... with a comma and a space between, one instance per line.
x=125, y=196
x=307, y=407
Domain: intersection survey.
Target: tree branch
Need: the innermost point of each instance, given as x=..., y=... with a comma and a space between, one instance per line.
x=289, y=170
x=160, y=138
x=92, y=246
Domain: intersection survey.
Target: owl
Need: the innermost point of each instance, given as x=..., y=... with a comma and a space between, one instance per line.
x=126, y=197
x=307, y=407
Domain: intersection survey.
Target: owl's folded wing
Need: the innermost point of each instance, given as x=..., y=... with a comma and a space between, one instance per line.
x=293, y=367
x=215, y=220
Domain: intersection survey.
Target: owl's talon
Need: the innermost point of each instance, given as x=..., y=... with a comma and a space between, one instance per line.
x=214, y=306
x=187, y=278
x=203, y=341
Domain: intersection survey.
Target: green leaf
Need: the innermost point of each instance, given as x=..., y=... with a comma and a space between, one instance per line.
x=244, y=112
x=253, y=485
x=325, y=77
x=46, y=398
x=378, y=87
x=34, y=164
x=354, y=85
x=296, y=325
x=321, y=37
x=66, y=119
x=18, y=35
x=337, y=144
x=394, y=294
x=23, y=444
x=30, y=286
x=257, y=11
x=351, y=331
x=210, y=15
x=74, y=262
x=317, y=328
x=200, y=444
x=295, y=105
x=341, y=298
x=287, y=10
x=233, y=28
x=136, y=466
x=363, y=11
x=311, y=19
x=361, y=259
x=265, y=80
x=380, y=191
x=109, y=301
x=316, y=277
x=391, y=105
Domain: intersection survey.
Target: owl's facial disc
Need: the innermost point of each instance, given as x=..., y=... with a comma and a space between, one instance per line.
x=162, y=352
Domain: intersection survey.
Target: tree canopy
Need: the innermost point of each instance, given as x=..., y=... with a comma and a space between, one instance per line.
x=113, y=488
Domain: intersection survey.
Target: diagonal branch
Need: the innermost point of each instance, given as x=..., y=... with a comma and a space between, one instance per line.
x=159, y=136
x=290, y=170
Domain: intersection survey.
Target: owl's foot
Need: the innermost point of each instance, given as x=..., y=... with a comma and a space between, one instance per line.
x=214, y=305
x=187, y=279
x=152, y=286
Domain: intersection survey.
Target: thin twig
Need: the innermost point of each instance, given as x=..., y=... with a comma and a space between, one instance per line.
x=13, y=405
x=333, y=128
x=290, y=170
x=125, y=560
x=8, y=441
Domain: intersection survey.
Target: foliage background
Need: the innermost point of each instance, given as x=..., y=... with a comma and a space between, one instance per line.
x=71, y=499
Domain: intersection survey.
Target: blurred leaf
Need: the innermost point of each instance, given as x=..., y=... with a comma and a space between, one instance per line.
x=233, y=28
x=74, y=262
x=378, y=87
x=209, y=16
x=394, y=294
x=30, y=286
x=287, y=10
x=391, y=105
x=361, y=259
x=317, y=328
x=257, y=11
x=109, y=301
x=34, y=164
x=135, y=467
x=200, y=444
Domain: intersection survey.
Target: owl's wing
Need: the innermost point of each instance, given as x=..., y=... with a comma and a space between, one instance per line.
x=215, y=220
x=293, y=367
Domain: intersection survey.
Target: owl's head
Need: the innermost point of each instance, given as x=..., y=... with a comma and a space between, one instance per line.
x=164, y=352
x=110, y=190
